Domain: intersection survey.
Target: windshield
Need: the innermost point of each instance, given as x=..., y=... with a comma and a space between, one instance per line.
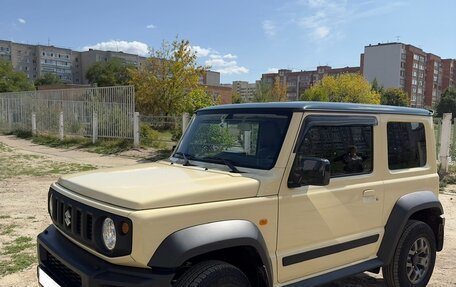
x=243, y=139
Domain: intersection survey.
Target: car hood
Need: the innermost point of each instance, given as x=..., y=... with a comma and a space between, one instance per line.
x=155, y=185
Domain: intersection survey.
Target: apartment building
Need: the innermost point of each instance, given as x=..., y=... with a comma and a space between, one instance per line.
x=210, y=78
x=298, y=82
x=423, y=76
x=448, y=73
x=90, y=57
x=37, y=60
x=245, y=90
x=70, y=66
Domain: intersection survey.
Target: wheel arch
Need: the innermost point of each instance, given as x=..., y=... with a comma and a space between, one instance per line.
x=216, y=240
x=423, y=206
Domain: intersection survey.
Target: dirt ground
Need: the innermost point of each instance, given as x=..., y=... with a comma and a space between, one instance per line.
x=23, y=211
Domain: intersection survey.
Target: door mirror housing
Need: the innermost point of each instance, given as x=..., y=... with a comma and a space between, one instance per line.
x=310, y=171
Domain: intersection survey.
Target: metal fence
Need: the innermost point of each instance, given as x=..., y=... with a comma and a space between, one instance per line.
x=162, y=122
x=107, y=112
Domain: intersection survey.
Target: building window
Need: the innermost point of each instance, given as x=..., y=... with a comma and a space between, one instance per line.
x=402, y=73
x=414, y=73
x=415, y=65
x=414, y=82
x=406, y=145
x=416, y=57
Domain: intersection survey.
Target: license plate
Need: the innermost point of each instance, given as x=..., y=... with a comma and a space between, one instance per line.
x=45, y=280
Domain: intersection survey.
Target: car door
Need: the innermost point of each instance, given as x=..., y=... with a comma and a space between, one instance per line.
x=327, y=227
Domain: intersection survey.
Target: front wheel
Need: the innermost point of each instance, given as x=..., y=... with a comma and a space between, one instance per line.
x=213, y=274
x=414, y=258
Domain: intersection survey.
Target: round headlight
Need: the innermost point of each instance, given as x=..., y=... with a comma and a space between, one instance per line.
x=109, y=233
x=51, y=210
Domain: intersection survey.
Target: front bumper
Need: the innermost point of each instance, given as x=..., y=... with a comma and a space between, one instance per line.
x=71, y=266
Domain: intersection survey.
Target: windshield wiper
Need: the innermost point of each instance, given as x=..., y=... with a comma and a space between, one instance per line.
x=227, y=162
x=185, y=156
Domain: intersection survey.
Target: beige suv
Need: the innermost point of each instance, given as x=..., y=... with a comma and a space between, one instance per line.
x=273, y=194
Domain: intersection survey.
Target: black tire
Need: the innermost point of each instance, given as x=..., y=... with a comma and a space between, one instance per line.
x=213, y=274
x=414, y=258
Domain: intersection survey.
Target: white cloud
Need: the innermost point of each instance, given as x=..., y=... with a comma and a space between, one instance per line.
x=325, y=18
x=133, y=47
x=202, y=52
x=222, y=63
x=21, y=20
x=269, y=28
x=321, y=32
x=229, y=56
x=151, y=26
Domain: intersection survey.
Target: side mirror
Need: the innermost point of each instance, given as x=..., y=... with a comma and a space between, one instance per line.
x=310, y=171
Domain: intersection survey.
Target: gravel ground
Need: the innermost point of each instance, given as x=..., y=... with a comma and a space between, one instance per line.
x=23, y=211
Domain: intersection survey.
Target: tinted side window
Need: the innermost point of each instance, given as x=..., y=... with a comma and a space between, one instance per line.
x=348, y=148
x=406, y=145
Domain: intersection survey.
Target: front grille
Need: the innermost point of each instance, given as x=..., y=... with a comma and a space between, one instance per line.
x=83, y=223
x=61, y=272
x=73, y=218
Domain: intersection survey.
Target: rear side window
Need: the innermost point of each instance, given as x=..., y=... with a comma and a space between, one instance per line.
x=406, y=145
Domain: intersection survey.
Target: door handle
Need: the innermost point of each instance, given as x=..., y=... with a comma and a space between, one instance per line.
x=368, y=193
x=369, y=196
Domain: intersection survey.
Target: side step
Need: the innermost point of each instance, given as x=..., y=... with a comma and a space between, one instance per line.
x=339, y=274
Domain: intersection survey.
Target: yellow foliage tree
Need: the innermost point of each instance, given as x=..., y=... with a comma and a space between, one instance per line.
x=350, y=88
x=168, y=83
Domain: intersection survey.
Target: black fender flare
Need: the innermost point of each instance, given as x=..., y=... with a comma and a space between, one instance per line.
x=187, y=243
x=404, y=208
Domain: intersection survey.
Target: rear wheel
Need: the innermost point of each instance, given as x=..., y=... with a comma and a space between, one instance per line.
x=414, y=258
x=213, y=274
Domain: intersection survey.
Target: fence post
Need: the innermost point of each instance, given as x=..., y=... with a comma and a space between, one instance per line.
x=95, y=128
x=185, y=120
x=10, y=120
x=136, y=129
x=34, y=124
x=444, y=153
x=61, y=126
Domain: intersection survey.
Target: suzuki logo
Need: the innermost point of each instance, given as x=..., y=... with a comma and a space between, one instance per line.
x=67, y=217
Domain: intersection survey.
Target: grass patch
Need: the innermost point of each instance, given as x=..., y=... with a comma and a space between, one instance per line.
x=7, y=229
x=18, y=255
x=102, y=146
x=5, y=148
x=18, y=245
x=4, y=216
x=16, y=164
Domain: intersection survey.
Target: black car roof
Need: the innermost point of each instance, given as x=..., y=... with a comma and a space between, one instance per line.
x=321, y=106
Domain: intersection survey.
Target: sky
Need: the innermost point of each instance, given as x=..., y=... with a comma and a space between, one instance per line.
x=241, y=39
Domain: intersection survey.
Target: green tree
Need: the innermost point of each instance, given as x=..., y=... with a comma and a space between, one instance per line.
x=275, y=92
x=447, y=103
x=263, y=92
x=351, y=88
x=376, y=87
x=111, y=73
x=236, y=98
x=48, y=79
x=13, y=81
x=197, y=99
x=394, y=97
x=169, y=75
x=279, y=91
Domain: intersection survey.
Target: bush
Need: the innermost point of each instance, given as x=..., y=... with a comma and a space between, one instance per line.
x=176, y=134
x=148, y=136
